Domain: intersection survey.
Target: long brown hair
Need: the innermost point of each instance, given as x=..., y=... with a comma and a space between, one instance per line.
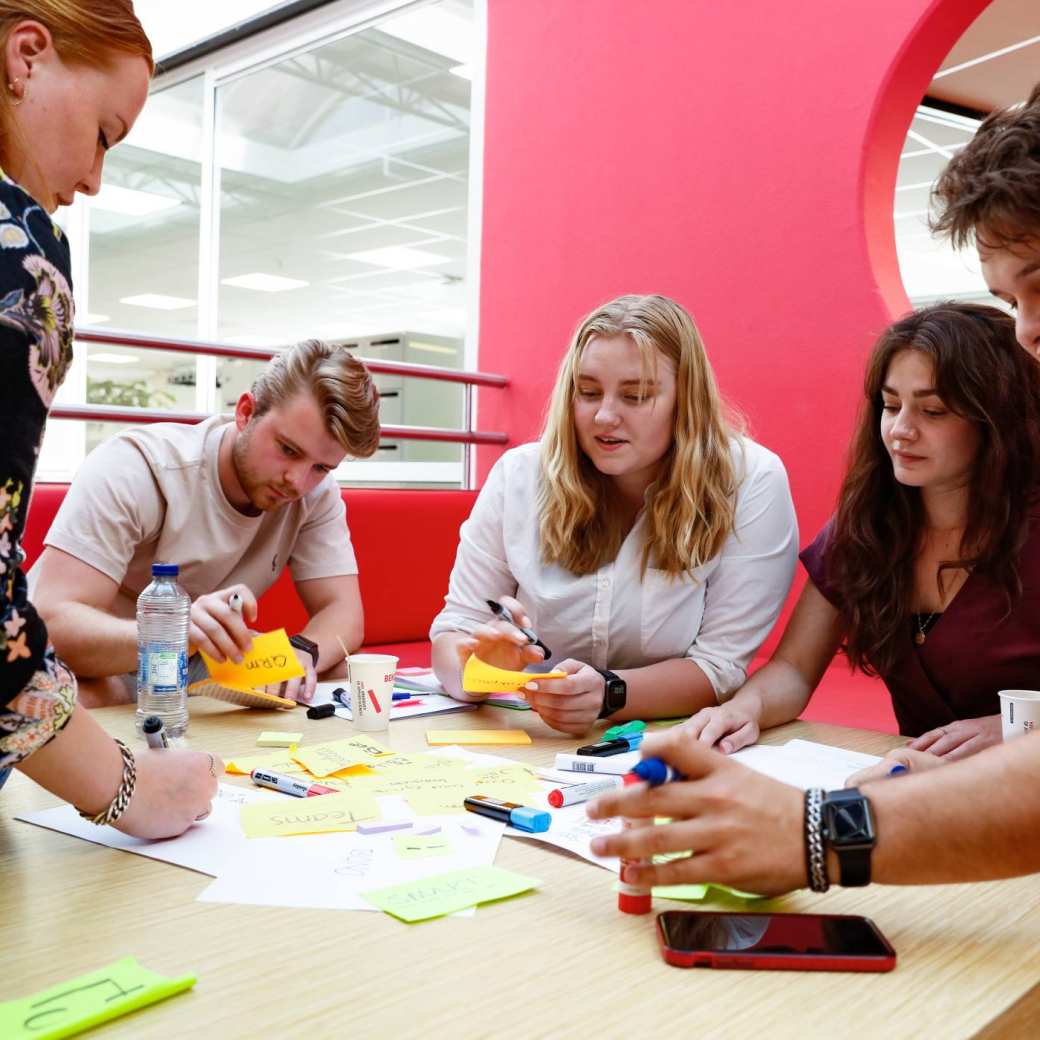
x=982, y=375
x=692, y=504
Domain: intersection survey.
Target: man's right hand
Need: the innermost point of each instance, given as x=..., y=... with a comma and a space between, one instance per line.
x=174, y=789
x=731, y=726
x=221, y=632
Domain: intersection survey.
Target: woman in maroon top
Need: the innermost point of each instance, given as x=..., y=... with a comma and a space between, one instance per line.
x=928, y=575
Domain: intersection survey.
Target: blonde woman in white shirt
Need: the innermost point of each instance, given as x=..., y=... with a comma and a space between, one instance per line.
x=648, y=543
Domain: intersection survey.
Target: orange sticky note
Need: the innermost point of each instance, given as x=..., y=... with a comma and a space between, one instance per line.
x=480, y=677
x=438, y=737
x=271, y=659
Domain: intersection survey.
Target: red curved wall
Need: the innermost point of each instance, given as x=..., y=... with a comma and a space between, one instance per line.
x=739, y=157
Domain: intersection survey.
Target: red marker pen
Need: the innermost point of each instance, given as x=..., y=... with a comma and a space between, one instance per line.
x=634, y=899
x=583, y=792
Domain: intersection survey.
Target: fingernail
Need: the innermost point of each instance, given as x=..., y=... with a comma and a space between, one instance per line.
x=533, y=686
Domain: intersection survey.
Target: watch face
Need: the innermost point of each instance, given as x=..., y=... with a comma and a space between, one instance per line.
x=616, y=691
x=850, y=823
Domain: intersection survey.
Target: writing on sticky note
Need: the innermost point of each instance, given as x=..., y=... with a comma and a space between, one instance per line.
x=271, y=659
x=480, y=677
x=438, y=737
x=422, y=846
x=85, y=1002
x=337, y=755
x=446, y=893
x=324, y=815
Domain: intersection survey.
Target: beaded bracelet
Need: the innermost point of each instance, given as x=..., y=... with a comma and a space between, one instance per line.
x=815, y=860
x=123, y=795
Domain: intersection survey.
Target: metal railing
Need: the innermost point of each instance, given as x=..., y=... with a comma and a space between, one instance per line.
x=467, y=436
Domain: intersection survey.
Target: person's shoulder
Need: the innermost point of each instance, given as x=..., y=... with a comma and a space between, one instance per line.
x=754, y=462
x=172, y=445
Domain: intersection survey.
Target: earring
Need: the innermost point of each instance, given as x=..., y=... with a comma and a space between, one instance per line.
x=16, y=99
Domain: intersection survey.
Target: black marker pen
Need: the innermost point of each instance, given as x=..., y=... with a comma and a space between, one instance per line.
x=155, y=732
x=504, y=613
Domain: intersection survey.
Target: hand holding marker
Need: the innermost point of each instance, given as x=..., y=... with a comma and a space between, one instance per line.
x=504, y=614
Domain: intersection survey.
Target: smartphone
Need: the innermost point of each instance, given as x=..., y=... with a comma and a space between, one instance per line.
x=792, y=942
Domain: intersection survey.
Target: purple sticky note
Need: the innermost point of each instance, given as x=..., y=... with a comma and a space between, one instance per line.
x=383, y=826
x=475, y=831
x=429, y=830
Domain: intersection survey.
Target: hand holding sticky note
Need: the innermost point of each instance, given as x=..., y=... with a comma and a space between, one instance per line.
x=480, y=677
x=271, y=659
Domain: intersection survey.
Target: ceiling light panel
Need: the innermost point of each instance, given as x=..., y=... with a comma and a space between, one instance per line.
x=131, y=202
x=158, y=302
x=259, y=282
x=399, y=258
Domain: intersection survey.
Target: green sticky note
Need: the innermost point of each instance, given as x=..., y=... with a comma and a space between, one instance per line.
x=694, y=893
x=422, y=846
x=82, y=1003
x=445, y=893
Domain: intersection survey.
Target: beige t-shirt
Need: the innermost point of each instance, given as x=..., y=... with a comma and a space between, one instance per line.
x=153, y=493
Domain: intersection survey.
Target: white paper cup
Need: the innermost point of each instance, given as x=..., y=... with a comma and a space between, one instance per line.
x=1019, y=712
x=371, y=689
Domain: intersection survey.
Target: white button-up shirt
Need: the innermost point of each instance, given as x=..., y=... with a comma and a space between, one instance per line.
x=717, y=615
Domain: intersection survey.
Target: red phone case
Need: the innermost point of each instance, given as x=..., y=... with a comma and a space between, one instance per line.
x=778, y=961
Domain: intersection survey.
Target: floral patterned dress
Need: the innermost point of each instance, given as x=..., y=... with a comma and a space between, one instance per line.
x=37, y=692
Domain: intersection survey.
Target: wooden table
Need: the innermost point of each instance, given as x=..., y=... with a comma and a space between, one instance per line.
x=559, y=963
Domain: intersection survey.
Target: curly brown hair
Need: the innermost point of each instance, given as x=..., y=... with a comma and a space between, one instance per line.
x=982, y=375
x=989, y=193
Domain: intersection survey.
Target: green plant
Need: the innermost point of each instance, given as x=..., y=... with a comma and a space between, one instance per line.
x=130, y=395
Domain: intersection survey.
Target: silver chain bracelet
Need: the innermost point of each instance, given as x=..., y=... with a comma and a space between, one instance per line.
x=123, y=795
x=815, y=858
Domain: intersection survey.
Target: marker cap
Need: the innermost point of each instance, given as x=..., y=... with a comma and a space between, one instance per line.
x=534, y=821
x=634, y=902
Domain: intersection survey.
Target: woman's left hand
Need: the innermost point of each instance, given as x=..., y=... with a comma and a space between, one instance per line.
x=961, y=738
x=570, y=705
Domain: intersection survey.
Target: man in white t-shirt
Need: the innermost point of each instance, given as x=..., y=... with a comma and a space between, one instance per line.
x=231, y=503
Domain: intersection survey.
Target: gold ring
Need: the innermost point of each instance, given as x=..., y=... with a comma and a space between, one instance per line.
x=204, y=815
x=212, y=769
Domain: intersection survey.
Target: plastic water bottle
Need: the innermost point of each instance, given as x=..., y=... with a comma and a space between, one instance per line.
x=163, y=623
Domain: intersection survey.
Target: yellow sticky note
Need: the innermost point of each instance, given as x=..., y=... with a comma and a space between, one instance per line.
x=327, y=813
x=437, y=737
x=480, y=677
x=337, y=755
x=85, y=1002
x=273, y=738
x=271, y=659
x=245, y=764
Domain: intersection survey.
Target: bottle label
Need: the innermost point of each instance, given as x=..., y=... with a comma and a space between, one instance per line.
x=164, y=671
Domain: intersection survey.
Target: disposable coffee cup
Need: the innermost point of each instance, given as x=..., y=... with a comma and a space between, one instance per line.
x=1019, y=712
x=371, y=678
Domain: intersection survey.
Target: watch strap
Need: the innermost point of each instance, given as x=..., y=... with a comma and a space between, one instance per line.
x=301, y=642
x=853, y=855
x=611, y=679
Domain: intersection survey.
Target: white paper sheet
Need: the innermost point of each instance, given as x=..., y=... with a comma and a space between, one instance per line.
x=330, y=871
x=203, y=847
x=804, y=763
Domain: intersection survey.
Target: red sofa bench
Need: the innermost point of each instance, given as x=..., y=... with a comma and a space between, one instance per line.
x=405, y=542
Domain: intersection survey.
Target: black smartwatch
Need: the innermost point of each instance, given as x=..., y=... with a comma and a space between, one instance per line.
x=848, y=828
x=615, y=694
x=303, y=643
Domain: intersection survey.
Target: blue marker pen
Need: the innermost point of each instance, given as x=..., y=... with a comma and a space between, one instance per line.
x=534, y=821
x=343, y=696
x=656, y=772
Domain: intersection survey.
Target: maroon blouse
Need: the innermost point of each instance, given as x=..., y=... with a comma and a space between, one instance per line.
x=973, y=650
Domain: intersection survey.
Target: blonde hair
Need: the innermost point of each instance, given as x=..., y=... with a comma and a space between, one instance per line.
x=691, y=505
x=338, y=381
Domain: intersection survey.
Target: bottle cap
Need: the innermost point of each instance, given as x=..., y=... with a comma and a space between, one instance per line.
x=165, y=570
